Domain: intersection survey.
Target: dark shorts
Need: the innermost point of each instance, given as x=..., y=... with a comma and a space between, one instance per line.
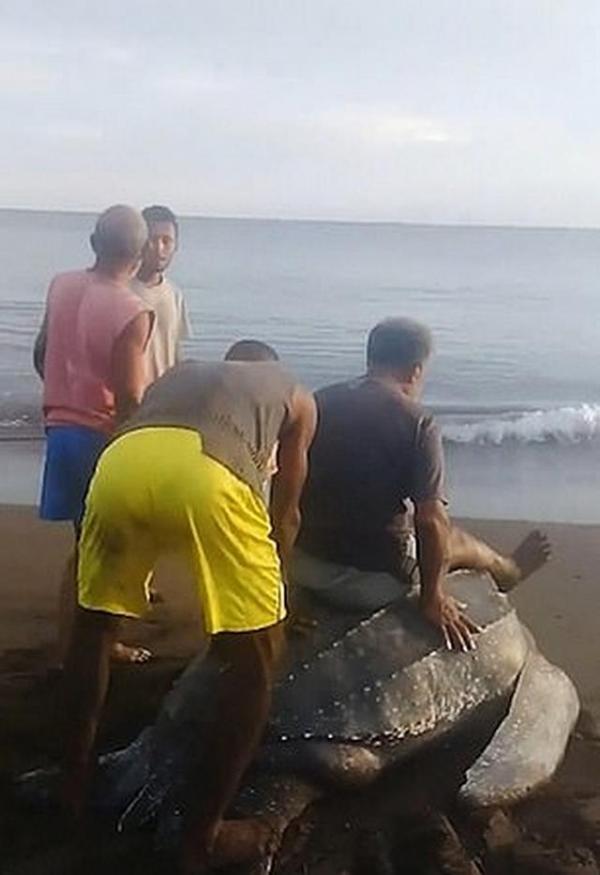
x=388, y=552
x=71, y=455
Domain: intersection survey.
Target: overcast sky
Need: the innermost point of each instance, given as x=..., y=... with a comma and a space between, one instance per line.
x=481, y=111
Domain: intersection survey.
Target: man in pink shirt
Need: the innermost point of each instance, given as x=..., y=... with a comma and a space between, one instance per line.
x=91, y=355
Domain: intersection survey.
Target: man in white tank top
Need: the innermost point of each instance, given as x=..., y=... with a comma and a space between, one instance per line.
x=171, y=325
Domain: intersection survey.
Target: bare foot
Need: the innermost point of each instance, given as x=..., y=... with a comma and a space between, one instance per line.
x=122, y=653
x=533, y=552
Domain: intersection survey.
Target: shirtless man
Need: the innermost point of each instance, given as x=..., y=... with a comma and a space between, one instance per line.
x=375, y=449
x=187, y=475
x=90, y=353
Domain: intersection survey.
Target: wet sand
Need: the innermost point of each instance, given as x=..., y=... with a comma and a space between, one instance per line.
x=560, y=829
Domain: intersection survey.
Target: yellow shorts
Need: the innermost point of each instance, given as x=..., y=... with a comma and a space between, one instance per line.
x=155, y=491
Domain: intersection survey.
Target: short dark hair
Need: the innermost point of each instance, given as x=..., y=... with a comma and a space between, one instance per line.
x=160, y=213
x=251, y=351
x=399, y=344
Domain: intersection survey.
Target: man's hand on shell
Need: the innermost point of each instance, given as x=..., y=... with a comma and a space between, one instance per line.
x=449, y=616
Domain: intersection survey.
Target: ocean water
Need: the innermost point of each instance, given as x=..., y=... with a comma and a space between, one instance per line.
x=515, y=313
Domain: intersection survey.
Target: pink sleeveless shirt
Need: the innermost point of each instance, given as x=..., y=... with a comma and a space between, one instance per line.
x=85, y=316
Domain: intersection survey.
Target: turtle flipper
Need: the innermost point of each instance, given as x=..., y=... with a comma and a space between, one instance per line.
x=530, y=742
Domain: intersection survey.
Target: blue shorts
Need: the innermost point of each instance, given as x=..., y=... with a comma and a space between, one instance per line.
x=71, y=455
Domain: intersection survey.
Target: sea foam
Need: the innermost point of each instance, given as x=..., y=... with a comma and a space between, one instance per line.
x=567, y=425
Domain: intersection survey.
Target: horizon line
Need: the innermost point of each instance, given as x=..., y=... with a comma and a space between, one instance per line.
x=329, y=221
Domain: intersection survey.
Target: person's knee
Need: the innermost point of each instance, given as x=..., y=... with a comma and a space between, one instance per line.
x=456, y=542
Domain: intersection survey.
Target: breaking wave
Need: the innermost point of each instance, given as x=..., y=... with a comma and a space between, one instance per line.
x=567, y=425
x=20, y=419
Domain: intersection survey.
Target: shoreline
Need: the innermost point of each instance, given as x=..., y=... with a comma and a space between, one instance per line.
x=557, y=485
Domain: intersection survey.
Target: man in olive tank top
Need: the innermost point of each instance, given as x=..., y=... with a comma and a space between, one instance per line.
x=187, y=474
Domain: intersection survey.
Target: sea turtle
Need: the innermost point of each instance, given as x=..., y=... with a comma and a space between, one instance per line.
x=363, y=692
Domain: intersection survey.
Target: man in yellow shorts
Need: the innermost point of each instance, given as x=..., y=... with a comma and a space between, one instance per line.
x=187, y=474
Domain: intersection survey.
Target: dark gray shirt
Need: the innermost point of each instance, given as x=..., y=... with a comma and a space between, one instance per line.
x=374, y=449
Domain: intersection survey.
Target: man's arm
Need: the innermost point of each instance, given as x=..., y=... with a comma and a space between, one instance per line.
x=433, y=529
x=129, y=364
x=39, y=347
x=294, y=443
x=433, y=532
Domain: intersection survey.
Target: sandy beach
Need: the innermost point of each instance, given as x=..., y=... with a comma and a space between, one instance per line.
x=399, y=204
x=560, y=604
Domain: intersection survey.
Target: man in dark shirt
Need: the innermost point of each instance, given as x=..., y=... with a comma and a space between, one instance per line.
x=375, y=449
